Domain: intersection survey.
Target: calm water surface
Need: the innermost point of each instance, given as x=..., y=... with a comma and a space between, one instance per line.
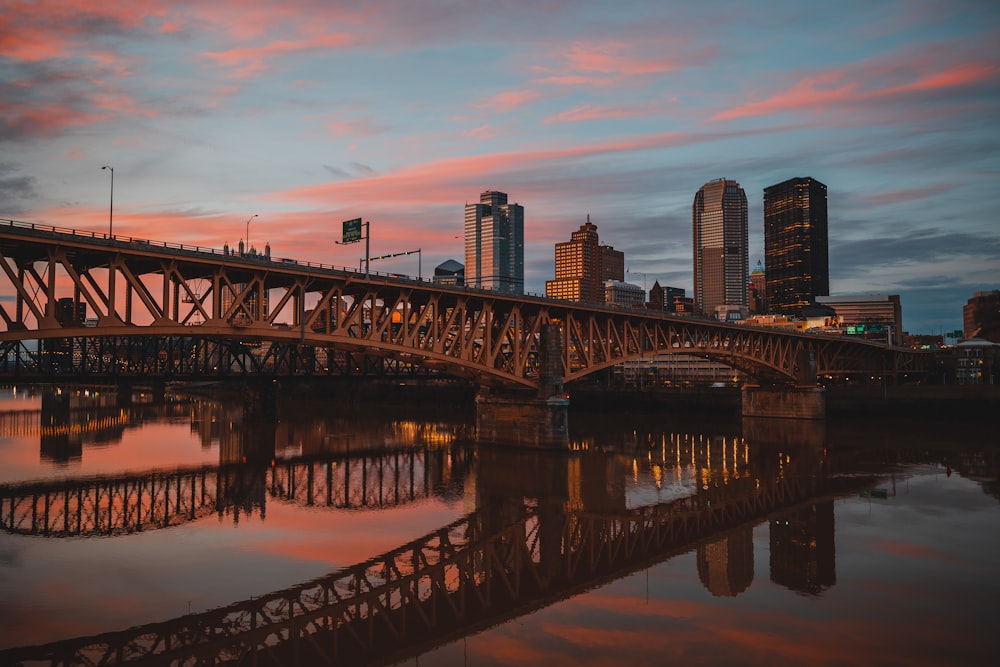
x=190, y=530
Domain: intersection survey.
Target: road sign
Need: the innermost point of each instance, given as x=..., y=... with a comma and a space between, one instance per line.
x=352, y=230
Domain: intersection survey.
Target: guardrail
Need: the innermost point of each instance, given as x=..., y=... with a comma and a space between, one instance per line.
x=233, y=254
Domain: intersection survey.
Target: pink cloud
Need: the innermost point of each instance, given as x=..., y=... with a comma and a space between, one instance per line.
x=43, y=119
x=609, y=58
x=357, y=128
x=917, y=551
x=249, y=61
x=588, y=112
x=45, y=29
x=510, y=100
x=863, y=83
x=602, y=64
x=448, y=180
x=481, y=132
x=908, y=194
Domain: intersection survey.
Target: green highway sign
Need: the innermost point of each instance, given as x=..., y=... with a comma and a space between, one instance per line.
x=352, y=230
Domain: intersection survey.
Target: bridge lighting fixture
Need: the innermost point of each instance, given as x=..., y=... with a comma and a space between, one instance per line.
x=247, y=237
x=111, y=203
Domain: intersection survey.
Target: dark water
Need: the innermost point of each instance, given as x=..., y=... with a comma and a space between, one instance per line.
x=315, y=530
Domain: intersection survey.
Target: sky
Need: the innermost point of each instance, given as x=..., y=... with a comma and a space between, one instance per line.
x=306, y=114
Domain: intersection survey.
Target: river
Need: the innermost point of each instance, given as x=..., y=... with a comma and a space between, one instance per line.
x=220, y=526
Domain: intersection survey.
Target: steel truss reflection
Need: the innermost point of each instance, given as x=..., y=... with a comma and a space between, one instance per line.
x=491, y=565
x=124, y=504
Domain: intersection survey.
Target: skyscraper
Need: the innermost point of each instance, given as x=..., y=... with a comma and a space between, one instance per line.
x=612, y=263
x=494, y=243
x=578, y=267
x=796, y=256
x=719, y=225
x=758, y=290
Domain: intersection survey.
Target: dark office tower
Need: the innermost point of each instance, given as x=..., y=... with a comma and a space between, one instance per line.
x=796, y=256
x=803, y=555
x=612, y=263
x=494, y=243
x=720, y=244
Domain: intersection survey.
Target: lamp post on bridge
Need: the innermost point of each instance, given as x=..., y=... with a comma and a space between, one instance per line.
x=111, y=203
x=247, y=237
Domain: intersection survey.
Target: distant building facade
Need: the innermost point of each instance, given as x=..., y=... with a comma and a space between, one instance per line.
x=578, y=267
x=494, y=243
x=796, y=254
x=720, y=244
x=665, y=298
x=981, y=316
x=449, y=272
x=624, y=295
x=877, y=316
x=612, y=263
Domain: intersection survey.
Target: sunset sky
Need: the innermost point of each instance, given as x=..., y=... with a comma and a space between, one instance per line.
x=311, y=113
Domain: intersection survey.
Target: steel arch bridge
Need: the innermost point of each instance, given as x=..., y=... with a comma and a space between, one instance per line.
x=204, y=310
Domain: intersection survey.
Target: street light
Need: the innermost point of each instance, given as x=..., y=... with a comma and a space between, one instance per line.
x=111, y=204
x=247, y=237
x=641, y=274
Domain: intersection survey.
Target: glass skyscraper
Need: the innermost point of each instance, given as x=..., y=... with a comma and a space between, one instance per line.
x=494, y=243
x=721, y=262
x=796, y=255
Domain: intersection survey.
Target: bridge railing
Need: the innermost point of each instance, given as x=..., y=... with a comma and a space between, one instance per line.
x=287, y=262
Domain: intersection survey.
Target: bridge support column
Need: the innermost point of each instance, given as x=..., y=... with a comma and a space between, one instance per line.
x=784, y=402
x=540, y=421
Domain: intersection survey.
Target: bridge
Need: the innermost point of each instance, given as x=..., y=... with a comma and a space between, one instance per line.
x=114, y=306
x=528, y=544
x=110, y=506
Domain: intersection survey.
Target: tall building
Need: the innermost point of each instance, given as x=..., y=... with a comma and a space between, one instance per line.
x=612, y=263
x=721, y=264
x=803, y=552
x=981, y=316
x=758, y=291
x=796, y=254
x=579, y=267
x=494, y=243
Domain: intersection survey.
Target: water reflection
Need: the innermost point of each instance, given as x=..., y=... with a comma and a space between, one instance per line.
x=532, y=528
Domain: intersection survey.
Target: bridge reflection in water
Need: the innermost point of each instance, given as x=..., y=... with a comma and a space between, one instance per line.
x=541, y=526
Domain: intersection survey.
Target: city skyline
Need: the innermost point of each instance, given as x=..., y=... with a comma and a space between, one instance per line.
x=308, y=116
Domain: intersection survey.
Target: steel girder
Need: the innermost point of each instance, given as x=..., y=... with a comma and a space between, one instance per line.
x=63, y=284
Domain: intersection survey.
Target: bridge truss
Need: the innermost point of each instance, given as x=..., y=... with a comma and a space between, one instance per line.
x=480, y=570
x=116, y=306
x=126, y=504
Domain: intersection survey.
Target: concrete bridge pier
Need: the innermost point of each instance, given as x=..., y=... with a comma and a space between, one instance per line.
x=803, y=400
x=522, y=421
x=784, y=402
x=541, y=420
